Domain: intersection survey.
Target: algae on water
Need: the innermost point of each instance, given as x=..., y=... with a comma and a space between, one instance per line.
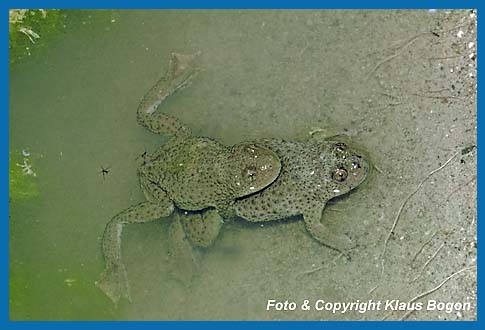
x=22, y=178
x=29, y=29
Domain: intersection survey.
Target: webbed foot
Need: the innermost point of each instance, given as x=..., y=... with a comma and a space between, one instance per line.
x=319, y=135
x=114, y=280
x=324, y=235
x=181, y=70
x=114, y=283
x=184, y=65
x=182, y=262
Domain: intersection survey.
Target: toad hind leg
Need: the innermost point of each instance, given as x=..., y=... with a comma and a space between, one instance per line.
x=202, y=229
x=114, y=281
x=322, y=234
x=186, y=231
x=181, y=71
x=182, y=261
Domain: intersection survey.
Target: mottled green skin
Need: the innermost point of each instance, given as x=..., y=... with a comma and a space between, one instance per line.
x=192, y=173
x=306, y=183
x=197, y=172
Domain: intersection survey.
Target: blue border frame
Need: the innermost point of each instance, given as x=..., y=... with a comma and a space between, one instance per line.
x=213, y=4
x=245, y=4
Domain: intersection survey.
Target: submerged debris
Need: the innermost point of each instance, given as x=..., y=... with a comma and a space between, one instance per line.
x=26, y=26
x=22, y=178
x=29, y=33
x=69, y=281
x=27, y=168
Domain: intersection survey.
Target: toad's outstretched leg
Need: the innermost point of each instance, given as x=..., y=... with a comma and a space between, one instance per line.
x=114, y=281
x=181, y=70
x=182, y=261
x=188, y=230
x=321, y=233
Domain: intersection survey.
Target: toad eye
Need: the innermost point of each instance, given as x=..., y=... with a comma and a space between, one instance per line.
x=340, y=174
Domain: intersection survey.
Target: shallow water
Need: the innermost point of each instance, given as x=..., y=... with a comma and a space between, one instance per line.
x=406, y=95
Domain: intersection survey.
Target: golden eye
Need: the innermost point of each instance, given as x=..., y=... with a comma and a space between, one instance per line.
x=340, y=174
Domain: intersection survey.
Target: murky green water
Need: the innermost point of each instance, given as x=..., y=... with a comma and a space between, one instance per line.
x=264, y=74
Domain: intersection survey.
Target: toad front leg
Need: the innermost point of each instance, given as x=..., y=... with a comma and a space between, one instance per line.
x=321, y=233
